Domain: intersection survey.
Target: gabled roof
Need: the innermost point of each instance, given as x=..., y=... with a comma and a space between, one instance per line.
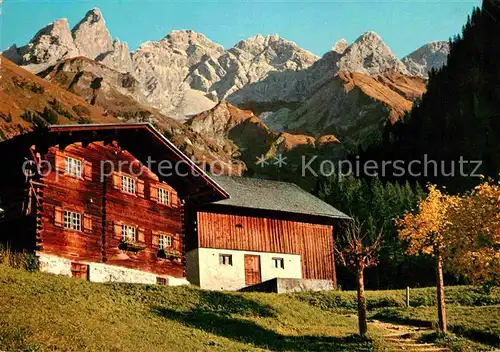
x=277, y=196
x=142, y=140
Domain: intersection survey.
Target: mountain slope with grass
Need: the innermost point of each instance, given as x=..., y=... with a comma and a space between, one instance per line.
x=42, y=312
x=72, y=96
x=24, y=97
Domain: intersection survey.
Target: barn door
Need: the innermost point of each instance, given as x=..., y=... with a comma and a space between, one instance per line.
x=252, y=269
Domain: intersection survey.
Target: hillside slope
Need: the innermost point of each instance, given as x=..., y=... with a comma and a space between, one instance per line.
x=43, y=312
x=352, y=106
x=27, y=101
x=22, y=91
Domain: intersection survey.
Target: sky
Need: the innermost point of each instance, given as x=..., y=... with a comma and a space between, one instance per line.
x=314, y=25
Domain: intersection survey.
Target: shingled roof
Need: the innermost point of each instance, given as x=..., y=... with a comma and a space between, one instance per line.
x=273, y=195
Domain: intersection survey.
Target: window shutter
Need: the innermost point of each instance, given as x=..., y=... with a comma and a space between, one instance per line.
x=87, y=222
x=153, y=189
x=140, y=188
x=140, y=235
x=117, y=229
x=59, y=216
x=155, y=240
x=60, y=161
x=87, y=170
x=117, y=180
x=175, y=200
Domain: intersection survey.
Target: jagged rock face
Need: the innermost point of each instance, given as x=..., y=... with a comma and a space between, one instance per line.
x=340, y=46
x=91, y=36
x=369, y=55
x=239, y=131
x=252, y=61
x=50, y=45
x=351, y=106
x=162, y=67
x=119, y=93
x=119, y=58
x=185, y=73
x=429, y=56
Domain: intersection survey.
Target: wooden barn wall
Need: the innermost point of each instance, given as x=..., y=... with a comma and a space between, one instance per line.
x=107, y=206
x=313, y=242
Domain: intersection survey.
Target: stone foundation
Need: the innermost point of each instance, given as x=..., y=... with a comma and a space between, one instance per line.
x=99, y=272
x=284, y=285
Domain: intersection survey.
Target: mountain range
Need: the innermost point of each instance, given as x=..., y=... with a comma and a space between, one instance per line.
x=261, y=96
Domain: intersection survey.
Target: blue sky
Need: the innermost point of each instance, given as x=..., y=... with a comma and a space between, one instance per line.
x=314, y=25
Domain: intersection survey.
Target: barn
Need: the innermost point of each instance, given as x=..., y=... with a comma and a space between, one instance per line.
x=264, y=230
x=119, y=202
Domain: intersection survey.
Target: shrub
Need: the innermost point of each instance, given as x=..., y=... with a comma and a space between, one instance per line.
x=59, y=108
x=81, y=110
x=34, y=118
x=18, y=260
x=50, y=115
x=6, y=117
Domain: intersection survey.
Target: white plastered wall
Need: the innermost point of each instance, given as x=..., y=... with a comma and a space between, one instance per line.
x=205, y=270
x=99, y=272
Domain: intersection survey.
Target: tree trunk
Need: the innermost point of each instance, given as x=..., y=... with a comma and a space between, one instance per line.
x=363, y=325
x=440, y=293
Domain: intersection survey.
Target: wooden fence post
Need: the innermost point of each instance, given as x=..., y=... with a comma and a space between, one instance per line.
x=407, y=297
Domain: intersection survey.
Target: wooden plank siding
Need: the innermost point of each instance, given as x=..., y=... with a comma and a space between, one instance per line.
x=108, y=206
x=313, y=242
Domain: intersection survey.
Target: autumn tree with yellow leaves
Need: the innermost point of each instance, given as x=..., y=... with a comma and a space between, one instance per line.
x=473, y=235
x=424, y=232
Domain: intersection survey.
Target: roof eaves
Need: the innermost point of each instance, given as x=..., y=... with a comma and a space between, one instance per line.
x=150, y=127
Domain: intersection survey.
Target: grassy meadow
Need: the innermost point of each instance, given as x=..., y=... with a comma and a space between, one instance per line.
x=41, y=312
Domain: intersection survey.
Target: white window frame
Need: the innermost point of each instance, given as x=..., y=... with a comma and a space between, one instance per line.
x=226, y=259
x=73, y=167
x=128, y=184
x=129, y=233
x=279, y=263
x=163, y=196
x=165, y=241
x=72, y=220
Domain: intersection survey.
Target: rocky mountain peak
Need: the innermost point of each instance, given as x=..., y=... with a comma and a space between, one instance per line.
x=371, y=56
x=93, y=16
x=91, y=36
x=51, y=44
x=427, y=57
x=340, y=46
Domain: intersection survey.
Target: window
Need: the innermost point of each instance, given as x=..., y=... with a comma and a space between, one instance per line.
x=164, y=241
x=279, y=263
x=163, y=196
x=226, y=259
x=161, y=280
x=79, y=270
x=128, y=184
x=73, y=167
x=129, y=233
x=72, y=220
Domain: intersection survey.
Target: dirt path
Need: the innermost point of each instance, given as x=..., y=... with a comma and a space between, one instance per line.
x=405, y=338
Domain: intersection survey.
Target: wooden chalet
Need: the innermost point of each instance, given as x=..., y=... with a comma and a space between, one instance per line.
x=82, y=197
x=120, y=202
x=264, y=230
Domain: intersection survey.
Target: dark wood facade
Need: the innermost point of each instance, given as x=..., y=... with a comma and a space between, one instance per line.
x=264, y=231
x=37, y=197
x=105, y=207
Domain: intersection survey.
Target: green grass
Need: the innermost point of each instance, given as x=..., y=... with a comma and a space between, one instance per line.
x=40, y=312
x=420, y=297
x=479, y=324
